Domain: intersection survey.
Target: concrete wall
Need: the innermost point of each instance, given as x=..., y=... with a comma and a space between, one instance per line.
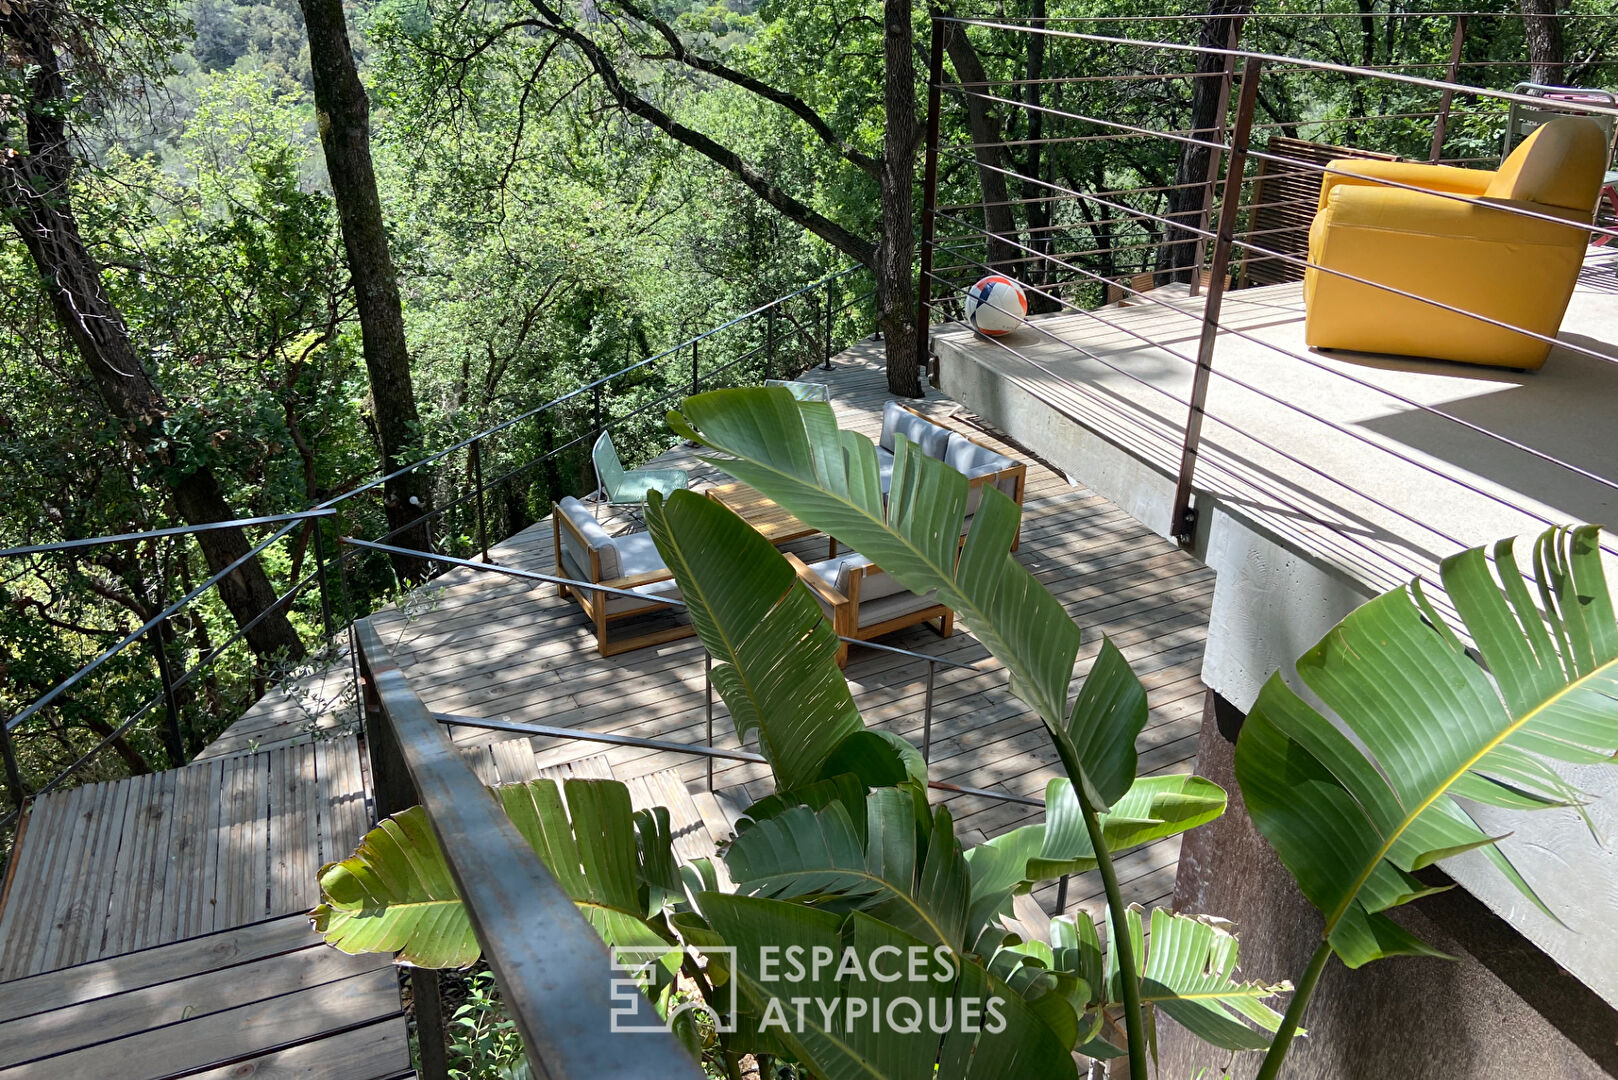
x=1500, y=1011
x=1273, y=600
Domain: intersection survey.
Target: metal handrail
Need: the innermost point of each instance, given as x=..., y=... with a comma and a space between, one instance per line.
x=553, y=972
x=1268, y=58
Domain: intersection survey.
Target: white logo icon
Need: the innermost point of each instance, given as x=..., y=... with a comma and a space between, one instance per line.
x=629, y=999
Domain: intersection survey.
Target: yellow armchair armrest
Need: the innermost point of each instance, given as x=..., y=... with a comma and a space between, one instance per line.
x=1356, y=172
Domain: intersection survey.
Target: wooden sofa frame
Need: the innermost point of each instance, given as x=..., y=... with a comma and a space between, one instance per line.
x=594, y=602
x=845, y=620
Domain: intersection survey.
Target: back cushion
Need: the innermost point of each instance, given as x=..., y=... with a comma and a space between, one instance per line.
x=595, y=539
x=929, y=438
x=1559, y=164
x=872, y=586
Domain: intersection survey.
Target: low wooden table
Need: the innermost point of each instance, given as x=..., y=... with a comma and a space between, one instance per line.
x=758, y=510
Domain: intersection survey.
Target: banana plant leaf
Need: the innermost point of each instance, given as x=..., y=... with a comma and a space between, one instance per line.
x=794, y=452
x=1354, y=807
x=774, y=651
x=1187, y=974
x=826, y=1016
x=818, y=857
x=395, y=893
x=1153, y=808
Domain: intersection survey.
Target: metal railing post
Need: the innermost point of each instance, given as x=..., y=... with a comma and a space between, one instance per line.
x=172, y=736
x=477, y=480
x=707, y=693
x=395, y=791
x=1441, y=119
x=320, y=576
x=8, y=753
x=696, y=374
x=769, y=343
x=831, y=315
x=1061, y=895
x=1183, y=518
x=927, y=717
x=1220, y=113
x=929, y=202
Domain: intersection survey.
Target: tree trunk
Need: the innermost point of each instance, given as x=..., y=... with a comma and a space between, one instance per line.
x=34, y=193
x=1000, y=245
x=1543, y=31
x=344, y=115
x=1041, y=274
x=1180, y=253
x=895, y=291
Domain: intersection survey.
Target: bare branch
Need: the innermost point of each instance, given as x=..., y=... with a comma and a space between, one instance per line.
x=869, y=165
x=794, y=209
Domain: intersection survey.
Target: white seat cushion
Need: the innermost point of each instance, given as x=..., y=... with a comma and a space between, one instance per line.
x=637, y=554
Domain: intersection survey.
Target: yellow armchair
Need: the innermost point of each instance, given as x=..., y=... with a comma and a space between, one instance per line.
x=1476, y=256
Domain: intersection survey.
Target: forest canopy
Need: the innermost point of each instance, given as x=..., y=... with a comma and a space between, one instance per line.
x=564, y=190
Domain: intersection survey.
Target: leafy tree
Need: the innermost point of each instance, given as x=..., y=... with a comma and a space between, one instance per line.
x=345, y=132
x=120, y=48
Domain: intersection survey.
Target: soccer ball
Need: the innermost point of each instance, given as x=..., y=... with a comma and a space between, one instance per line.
x=996, y=305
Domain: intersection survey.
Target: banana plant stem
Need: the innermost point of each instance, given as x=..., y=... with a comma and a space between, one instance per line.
x=1134, y=1030
x=1271, y=1068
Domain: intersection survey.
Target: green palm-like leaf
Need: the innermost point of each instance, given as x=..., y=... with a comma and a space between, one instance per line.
x=1352, y=819
x=1153, y=808
x=821, y=1035
x=794, y=452
x=1189, y=963
x=820, y=857
x=395, y=893
x=1187, y=974
x=774, y=652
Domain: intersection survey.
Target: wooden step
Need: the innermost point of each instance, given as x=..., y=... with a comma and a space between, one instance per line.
x=115, y=867
x=270, y=996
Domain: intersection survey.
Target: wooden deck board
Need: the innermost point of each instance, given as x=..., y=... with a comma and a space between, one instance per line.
x=121, y=866
x=270, y=999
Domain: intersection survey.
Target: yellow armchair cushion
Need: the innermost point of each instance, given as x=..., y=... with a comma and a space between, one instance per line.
x=1479, y=257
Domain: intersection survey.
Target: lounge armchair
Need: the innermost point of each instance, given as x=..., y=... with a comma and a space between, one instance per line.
x=628, y=487
x=981, y=464
x=863, y=602
x=803, y=391
x=584, y=552
x=1471, y=255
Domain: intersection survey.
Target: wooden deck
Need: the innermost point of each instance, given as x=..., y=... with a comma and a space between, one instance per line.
x=481, y=644
x=154, y=927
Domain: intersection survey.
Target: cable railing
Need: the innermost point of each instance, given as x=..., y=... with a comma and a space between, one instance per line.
x=179, y=676
x=1106, y=243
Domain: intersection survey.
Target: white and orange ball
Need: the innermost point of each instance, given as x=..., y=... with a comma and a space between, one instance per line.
x=996, y=305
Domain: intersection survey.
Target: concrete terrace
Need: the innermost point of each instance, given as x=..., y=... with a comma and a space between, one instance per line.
x=1325, y=478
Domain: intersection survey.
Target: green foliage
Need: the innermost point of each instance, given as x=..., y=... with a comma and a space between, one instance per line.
x=1355, y=819
x=482, y=1040
x=395, y=894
